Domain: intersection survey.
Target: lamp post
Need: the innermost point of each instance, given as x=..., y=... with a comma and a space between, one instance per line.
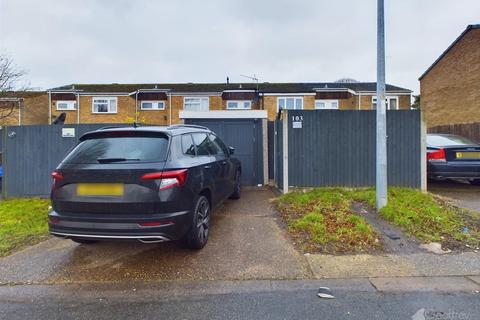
x=381, y=156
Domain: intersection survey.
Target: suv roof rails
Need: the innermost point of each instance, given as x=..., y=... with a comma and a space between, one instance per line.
x=179, y=126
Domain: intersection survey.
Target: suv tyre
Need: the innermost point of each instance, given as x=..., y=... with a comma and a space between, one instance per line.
x=197, y=236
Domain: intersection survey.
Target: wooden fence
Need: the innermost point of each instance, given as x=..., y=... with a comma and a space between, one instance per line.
x=469, y=130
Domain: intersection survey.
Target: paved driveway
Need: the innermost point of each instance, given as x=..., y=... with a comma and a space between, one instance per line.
x=246, y=243
x=463, y=193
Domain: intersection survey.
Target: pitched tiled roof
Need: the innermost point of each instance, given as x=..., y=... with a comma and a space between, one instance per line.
x=20, y=94
x=469, y=27
x=266, y=87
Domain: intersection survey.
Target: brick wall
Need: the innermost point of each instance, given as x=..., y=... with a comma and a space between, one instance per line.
x=450, y=91
x=35, y=109
x=8, y=113
x=32, y=109
x=270, y=103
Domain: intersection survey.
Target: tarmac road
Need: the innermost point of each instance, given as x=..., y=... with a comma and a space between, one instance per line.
x=354, y=299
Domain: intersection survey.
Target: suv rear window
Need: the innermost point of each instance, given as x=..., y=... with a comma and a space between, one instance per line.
x=120, y=149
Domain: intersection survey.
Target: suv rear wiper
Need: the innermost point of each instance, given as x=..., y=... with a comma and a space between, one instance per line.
x=108, y=160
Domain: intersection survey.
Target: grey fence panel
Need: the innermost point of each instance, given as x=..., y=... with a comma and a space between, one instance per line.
x=31, y=153
x=245, y=135
x=278, y=173
x=271, y=149
x=404, y=148
x=337, y=148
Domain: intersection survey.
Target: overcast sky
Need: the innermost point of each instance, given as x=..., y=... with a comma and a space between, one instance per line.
x=130, y=41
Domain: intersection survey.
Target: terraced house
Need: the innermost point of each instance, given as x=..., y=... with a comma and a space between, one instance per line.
x=165, y=104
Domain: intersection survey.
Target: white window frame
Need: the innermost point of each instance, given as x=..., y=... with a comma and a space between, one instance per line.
x=156, y=105
x=72, y=105
x=285, y=103
x=238, y=102
x=387, y=102
x=200, y=98
x=328, y=104
x=109, y=100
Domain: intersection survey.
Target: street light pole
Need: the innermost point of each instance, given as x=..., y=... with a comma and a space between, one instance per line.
x=381, y=157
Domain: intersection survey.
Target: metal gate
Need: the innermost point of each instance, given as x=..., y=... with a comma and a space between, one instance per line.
x=245, y=135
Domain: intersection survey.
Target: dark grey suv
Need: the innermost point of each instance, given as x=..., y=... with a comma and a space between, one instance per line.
x=150, y=184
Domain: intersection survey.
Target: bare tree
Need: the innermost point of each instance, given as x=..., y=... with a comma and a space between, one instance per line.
x=11, y=79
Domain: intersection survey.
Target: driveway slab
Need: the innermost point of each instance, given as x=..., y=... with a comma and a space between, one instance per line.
x=425, y=284
x=464, y=195
x=391, y=265
x=246, y=243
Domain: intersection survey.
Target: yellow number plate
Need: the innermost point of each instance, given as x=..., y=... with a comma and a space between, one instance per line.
x=468, y=155
x=100, y=189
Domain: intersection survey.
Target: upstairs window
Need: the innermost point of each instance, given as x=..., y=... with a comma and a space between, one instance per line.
x=104, y=105
x=391, y=102
x=66, y=105
x=290, y=103
x=196, y=104
x=326, y=104
x=152, y=105
x=239, y=105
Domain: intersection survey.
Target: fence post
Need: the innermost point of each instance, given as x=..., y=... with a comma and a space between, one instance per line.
x=4, y=162
x=423, y=153
x=264, y=123
x=285, y=151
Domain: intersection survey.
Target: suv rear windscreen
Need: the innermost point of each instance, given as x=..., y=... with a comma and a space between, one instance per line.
x=120, y=149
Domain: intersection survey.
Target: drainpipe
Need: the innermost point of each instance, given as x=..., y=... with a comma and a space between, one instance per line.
x=49, y=107
x=136, y=106
x=78, y=108
x=19, y=112
x=170, y=107
x=359, y=100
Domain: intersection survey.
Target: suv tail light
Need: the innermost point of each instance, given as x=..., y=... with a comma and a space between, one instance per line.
x=57, y=176
x=168, y=179
x=437, y=155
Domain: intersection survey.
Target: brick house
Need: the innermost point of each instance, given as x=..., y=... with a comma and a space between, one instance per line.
x=165, y=104
x=450, y=87
x=23, y=107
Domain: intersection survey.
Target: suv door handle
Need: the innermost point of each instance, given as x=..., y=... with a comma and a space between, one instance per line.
x=207, y=167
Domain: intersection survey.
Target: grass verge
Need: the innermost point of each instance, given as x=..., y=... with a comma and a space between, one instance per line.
x=22, y=222
x=427, y=217
x=321, y=220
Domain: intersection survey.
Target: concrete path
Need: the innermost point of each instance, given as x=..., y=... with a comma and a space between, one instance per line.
x=394, y=265
x=246, y=243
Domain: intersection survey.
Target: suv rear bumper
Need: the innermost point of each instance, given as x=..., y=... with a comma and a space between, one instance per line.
x=159, y=228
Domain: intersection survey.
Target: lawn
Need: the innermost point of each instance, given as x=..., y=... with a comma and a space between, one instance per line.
x=322, y=219
x=22, y=222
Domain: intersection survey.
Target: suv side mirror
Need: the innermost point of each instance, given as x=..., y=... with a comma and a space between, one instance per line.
x=231, y=150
